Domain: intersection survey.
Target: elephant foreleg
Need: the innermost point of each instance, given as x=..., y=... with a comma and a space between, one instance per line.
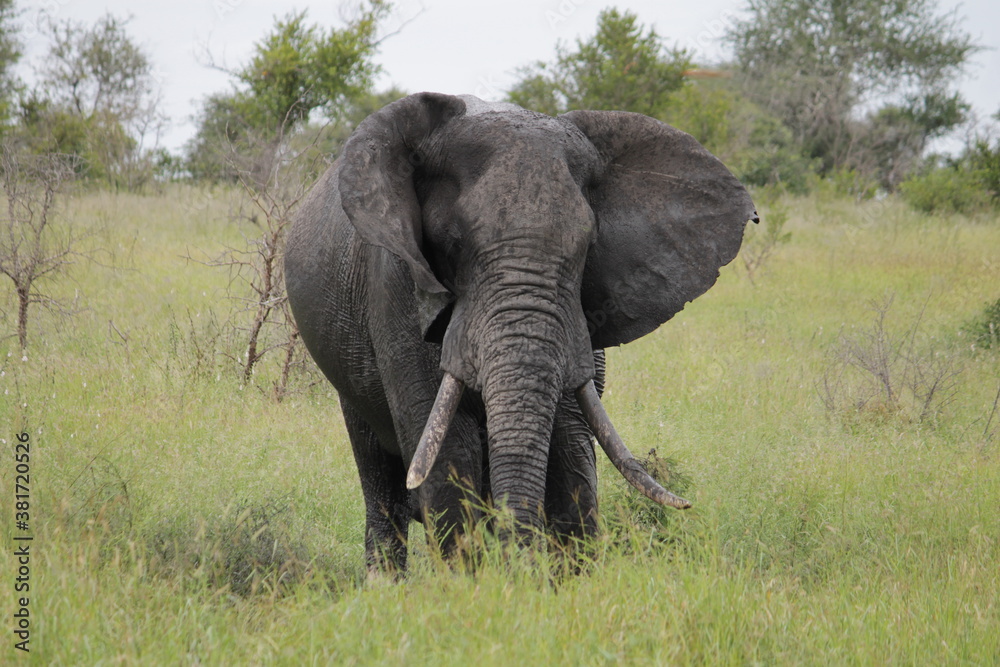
x=387, y=503
x=571, y=479
x=571, y=484
x=454, y=491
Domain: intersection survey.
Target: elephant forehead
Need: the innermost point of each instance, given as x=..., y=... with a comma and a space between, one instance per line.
x=473, y=144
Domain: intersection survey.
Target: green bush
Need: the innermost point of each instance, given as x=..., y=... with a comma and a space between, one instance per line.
x=985, y=161
x=984, y=330
x=771, y=156
x=852, y=183
x=707, y=111
x=949, y=189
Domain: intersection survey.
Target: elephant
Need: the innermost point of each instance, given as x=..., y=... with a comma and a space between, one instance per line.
x=456, y=274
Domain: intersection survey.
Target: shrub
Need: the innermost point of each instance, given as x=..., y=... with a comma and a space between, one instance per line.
x=771, y=156
x=948, y=189
x=984, y=330
x=763, y=240
x=985, y=162
x=666, y=470
x=853, y=183
x=882, y=371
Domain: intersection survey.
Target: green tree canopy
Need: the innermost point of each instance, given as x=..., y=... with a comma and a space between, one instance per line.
x=819, y=64
x=299, y=67
x=10, y=54
x=628, y=67
x=623, y=66
x=97, y=100
x=296, y=69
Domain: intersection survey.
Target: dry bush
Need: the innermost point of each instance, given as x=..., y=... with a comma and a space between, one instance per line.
x=274, y=176
x=35, y=243
x=883, y=372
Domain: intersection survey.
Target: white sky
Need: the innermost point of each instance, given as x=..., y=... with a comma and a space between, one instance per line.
x=449, y=46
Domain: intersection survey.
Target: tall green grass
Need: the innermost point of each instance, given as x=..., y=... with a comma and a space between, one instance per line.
x=181, y=517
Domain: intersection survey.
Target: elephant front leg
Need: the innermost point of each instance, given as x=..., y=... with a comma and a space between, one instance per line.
x=453, y=493
x=571, y=478
x=387, y=503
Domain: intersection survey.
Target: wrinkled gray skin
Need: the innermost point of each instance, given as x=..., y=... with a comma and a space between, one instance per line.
x=507, y=248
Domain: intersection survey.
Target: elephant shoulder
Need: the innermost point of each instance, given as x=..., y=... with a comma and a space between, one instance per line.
x=317, y=217
x=319, y=235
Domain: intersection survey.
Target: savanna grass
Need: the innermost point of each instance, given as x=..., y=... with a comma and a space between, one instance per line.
x=184, y=517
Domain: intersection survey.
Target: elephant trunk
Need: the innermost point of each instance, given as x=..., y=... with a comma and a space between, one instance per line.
x=522, y=383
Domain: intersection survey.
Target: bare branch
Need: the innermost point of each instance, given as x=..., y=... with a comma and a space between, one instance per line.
x=399, y=29
x=31, y=249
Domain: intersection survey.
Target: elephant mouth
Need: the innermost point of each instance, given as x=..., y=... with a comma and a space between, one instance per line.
x=446, y=403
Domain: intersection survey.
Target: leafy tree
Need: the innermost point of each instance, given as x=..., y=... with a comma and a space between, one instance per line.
x=97, y=100
x=627, y=66
x=623, y=66
x=328, y=138
x=754, y=144
x=890, y=144
x=223, y=125
x=296, y=70
x=984, y=160
x=968, y=183
x=298, y=67
x=98, y=69
x=10, y=53
x=815, y=63
x=258, y=137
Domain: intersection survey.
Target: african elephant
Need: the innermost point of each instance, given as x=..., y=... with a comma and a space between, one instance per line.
x=456, y=274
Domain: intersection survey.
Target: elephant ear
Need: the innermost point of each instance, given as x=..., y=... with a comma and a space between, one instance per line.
x=377, y=167
x=669, y=216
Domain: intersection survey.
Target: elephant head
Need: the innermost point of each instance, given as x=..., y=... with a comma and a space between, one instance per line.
x=532, y=241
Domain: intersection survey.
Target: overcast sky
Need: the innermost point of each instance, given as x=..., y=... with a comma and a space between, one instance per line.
x=449, y=46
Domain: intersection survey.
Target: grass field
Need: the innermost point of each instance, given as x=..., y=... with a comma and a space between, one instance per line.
x=832, y=420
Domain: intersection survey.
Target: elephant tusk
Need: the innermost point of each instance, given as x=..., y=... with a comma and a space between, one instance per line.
x=612, y=444
x=445, y=405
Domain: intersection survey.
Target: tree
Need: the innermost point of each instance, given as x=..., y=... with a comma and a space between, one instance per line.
x=10, y=53
x=628, y=67
x=967, y=183
x=295, y=70
x=891, y=141
x=299, y=68
x=97, y=69
x=223, y=126
x=32, y=247
x=624, y=66
x=816, y=63
x=97, y=100
x=328, y=139
x=754, y=144
x=258, y=136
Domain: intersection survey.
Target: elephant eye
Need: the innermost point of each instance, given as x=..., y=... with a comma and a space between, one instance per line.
x=415, y=158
